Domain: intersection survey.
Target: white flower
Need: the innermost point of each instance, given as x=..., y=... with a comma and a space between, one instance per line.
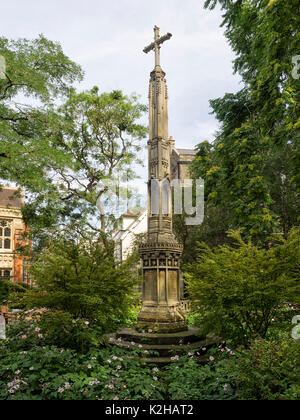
x=155, y=369
x=211, y=358
x=225, y=387
x=89, y=366
x=155, y=378
x=61, y=390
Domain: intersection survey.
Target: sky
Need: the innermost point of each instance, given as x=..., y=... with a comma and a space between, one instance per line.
x=107, y=39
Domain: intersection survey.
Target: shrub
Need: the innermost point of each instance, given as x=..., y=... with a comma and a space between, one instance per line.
x=188, y=381
x=32, y=370
x=269, y=370
x=240, y=289
x=80, y=281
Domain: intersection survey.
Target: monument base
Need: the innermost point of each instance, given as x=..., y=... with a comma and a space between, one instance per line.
x=161, y=319
x=160, y=349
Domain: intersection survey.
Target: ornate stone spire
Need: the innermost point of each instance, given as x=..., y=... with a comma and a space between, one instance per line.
x=158, y=97
x=161, y=253
x=159, y=149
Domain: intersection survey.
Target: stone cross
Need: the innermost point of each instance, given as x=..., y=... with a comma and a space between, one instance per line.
x=155, y=46
x=161, y=253
x=2, y=328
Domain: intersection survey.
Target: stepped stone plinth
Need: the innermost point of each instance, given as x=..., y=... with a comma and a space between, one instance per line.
x=161, y=348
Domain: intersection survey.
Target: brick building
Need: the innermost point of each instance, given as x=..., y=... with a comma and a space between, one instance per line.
x=12, y=227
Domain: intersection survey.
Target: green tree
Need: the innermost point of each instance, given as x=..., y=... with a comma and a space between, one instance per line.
x=56, y=143
x=102, y=136
x=253, y=166
x=240, y=289
x=37, y=73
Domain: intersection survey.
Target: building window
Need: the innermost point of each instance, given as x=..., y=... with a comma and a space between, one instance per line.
x=5, y=235
x=5, y=274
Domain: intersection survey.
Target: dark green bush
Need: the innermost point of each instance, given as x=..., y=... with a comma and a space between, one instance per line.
x=81, y=283
x=240, y=289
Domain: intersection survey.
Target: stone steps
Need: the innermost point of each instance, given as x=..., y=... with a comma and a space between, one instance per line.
x=184, y=337
x=166, y=350
x=164, y=346
x=163, y=361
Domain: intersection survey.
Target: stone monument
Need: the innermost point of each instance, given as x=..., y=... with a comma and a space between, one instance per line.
x=161, y=327
x=161, y=253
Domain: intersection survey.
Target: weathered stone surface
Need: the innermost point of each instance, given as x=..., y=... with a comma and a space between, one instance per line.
x=161, y=319
x=190, y=335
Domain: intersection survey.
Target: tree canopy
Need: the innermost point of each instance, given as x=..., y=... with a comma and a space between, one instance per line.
x=58, y=143
x=252, y=168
